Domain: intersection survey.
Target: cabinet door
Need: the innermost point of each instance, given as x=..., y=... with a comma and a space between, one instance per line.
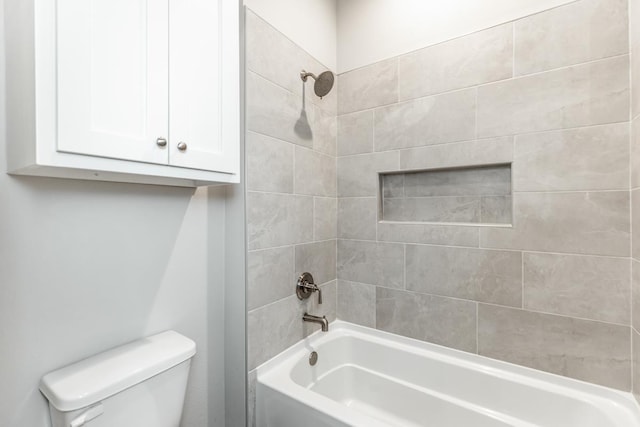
x=112, y=78
x=203, y=82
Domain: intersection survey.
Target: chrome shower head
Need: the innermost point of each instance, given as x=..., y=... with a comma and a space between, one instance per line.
x=323, y=83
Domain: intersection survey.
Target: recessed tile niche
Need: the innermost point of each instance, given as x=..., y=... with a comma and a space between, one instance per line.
x=464, y=195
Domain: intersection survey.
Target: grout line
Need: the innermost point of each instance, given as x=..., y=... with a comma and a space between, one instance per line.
x=528, y=251
x=548, y=313
x=511, y=21
x=290, y=245
x=404, y=268
x=513, y=49
x=522, y=277
x=477, y=328
x=495, y=305
x=292, y=296
x=495, y=82
x=476, y=140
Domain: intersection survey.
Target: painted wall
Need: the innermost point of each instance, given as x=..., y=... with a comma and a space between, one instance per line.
x=85, y=266
x=373, y=30
x=551, y=292
x=309, y=23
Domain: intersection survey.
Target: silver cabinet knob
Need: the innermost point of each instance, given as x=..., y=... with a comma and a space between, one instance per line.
x=161, y=142
x=182, y=146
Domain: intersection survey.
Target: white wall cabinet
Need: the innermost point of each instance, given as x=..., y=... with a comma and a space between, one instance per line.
x=124, y=90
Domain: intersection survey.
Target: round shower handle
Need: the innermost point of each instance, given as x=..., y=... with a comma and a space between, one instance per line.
x=182, y=146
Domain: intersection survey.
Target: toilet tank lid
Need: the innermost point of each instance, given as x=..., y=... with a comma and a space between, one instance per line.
x=103, y=375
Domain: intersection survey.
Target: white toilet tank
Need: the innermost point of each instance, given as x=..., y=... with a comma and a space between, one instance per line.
x=140, y=384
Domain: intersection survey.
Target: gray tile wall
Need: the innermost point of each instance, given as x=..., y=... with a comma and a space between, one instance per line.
x=552, y=291
x=551, y=95
x=634, y=32
x=291, y=193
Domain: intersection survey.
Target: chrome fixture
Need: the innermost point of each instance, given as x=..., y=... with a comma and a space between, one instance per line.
x=161, y=142
x=182, y=146
x=323, y=84
x=305, y=287
x=317, y=319
x=313, y=358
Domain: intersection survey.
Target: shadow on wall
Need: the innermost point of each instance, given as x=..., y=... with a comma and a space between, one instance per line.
x=302, y=128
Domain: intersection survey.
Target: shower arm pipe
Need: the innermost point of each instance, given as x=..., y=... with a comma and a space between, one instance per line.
x=304, y=74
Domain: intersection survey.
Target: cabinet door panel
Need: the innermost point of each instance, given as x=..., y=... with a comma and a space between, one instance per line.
x=112, y=78
x=202, y=48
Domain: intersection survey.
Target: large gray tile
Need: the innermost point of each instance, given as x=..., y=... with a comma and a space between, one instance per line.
x=582, y=95
x=319, y=259
x=478, y=152
x=325, y=132
x=314, y=173
x=273, y=328
x=278, y=155
x=594, y=158
x=635, y=152
x=578, y=286
x=368, y=87
x=634, y=32
x=635, y=77
x=370, y=262
x=474, y=274
x=357, y=218
x=635, y=356
x=325, y=218
x=270, y=275
x=475, y=181
x=358, y=175
x=444, y=321
x=481, y=57
x=432, y=209
x=635, y=294
x=274, y=111
x=496, y=209
x=278, y=219
x=582, y=349
x=271, y=54
x=581, y=31
x=278, y=59
x=433, y=120
x=357, y=303
x=634, y=19
x=635, y=224
x=355, y=133
x=435, y=234
x=582, y=223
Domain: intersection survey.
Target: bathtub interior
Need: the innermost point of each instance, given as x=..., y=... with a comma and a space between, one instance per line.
x=402, y=383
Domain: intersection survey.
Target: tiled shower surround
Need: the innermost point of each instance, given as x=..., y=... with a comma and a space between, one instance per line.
x=291, y=193
x=549, y=94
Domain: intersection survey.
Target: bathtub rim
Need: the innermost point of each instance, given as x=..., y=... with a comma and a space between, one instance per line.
x=276, y=372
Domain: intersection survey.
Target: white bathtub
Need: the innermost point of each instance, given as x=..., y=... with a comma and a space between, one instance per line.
x=370, y=378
